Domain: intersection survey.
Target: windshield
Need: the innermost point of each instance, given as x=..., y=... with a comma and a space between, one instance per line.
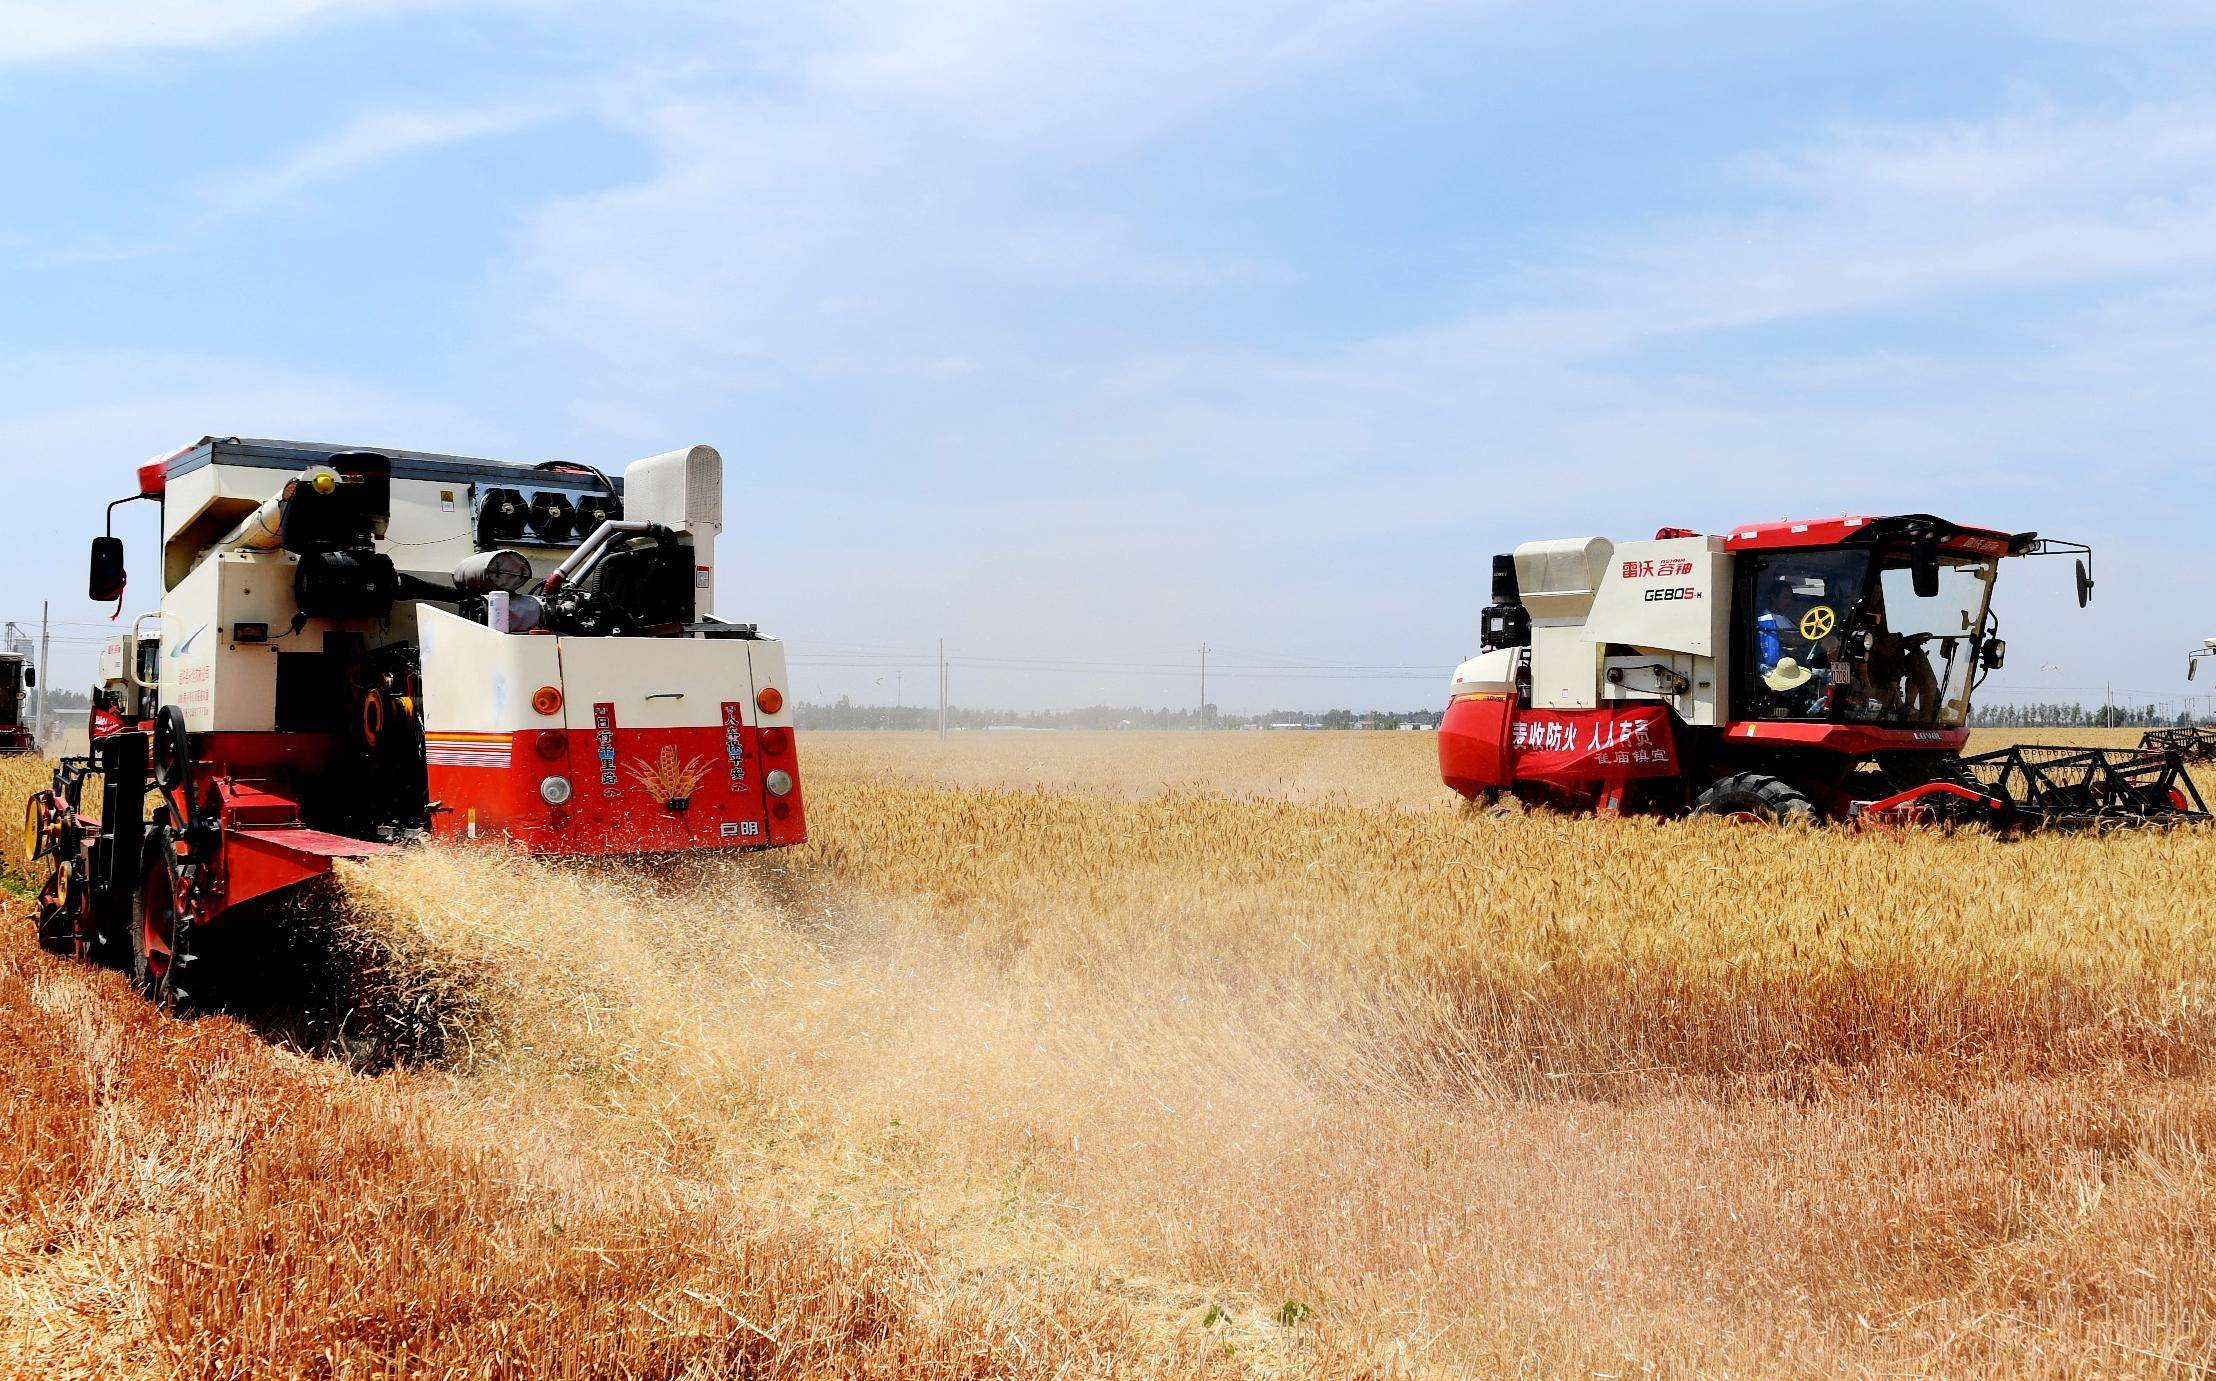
x=1842, y=635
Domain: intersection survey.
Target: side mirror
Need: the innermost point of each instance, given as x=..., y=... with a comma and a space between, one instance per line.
x=1923, y=568
x=2192, y=664
x=1996, y=652
x=108, y=576
x=30, y=677
x=2084, y=585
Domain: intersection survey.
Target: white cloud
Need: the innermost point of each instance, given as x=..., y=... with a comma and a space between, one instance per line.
x=1086, y=72
x=34, y=31
x=366, y=141
x=854, y=203
x=373, y=138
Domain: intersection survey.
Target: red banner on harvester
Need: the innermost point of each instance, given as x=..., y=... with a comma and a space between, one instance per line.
x=1571, y=745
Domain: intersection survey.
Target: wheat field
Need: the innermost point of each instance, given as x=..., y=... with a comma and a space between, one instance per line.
x=1163, y=1054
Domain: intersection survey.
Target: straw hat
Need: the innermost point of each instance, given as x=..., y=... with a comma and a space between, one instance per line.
x=1787, y=675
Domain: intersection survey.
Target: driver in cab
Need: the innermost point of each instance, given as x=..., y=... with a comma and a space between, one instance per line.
x=1799, y=691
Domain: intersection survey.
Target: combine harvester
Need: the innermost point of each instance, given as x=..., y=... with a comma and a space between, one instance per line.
x=1815, y=670
x=2197, y=742
x=357, y=649
x=16, y=681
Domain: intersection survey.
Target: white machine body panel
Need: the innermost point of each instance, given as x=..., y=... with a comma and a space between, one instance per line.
x=223, y=629
x=478, y=681
x=1558, y=580
x=1669, y=600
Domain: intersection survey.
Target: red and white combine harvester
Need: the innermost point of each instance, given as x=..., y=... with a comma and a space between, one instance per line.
x=17, y=678
x=2196, y=742
x=355, y=649
x=1785, y=671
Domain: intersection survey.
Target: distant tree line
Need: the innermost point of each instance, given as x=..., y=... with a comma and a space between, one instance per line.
x=845, y=714
x=2074, y=716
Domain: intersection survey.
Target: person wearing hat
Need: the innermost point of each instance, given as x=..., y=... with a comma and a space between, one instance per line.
x=1771, y=627
x=1789, y=681
x=1787, y=676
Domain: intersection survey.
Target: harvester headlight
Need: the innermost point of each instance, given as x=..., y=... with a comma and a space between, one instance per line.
x=779, y=782
x=555, y=791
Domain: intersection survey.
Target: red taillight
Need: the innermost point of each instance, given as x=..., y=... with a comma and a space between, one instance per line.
x=775, y=742
x=551, y=743
x=781, y=809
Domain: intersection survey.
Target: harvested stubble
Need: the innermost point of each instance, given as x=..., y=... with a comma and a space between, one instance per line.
x=1126, y=1085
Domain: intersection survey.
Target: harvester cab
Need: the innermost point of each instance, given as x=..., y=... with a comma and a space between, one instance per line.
x=130, y=680
x=359, y=648
x=1792, y=670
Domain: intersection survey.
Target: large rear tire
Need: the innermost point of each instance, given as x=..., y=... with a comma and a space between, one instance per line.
x=1756, y=798
x=155, y=925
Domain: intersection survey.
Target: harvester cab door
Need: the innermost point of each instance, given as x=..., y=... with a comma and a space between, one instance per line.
x=1938, y=636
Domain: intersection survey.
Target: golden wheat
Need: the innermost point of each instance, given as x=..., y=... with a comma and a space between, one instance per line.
x=1309, y=1078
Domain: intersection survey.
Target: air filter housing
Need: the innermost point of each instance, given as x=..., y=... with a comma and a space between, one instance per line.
x=682, y=491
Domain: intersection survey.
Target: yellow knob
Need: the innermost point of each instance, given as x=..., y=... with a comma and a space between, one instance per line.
x=325, y=482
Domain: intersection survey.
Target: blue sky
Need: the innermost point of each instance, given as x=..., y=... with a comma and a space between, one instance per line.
x=1082, y=334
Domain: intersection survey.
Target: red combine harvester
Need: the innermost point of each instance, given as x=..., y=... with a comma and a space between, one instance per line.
x=16, y=679
x=2195, y=742
x=1786, y=671
x=356, y=649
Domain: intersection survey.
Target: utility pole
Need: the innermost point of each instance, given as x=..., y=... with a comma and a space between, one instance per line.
x=1204, y=685
x=942, y=690
x=900, y=696
x=39, y=716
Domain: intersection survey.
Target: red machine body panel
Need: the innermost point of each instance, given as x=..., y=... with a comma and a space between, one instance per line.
x=1610, y=743
x=1793, y=533
x=1486, y=743
x=1473, y=743
x=260, y=860
x=632, y=790
x=1858, y=740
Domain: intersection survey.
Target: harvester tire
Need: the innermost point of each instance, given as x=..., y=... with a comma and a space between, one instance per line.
x=154, y=912
x=172, y=749
x=1756, y=797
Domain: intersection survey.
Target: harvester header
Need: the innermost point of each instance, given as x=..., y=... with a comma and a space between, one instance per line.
x=356, y=648
x=1788, y=670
